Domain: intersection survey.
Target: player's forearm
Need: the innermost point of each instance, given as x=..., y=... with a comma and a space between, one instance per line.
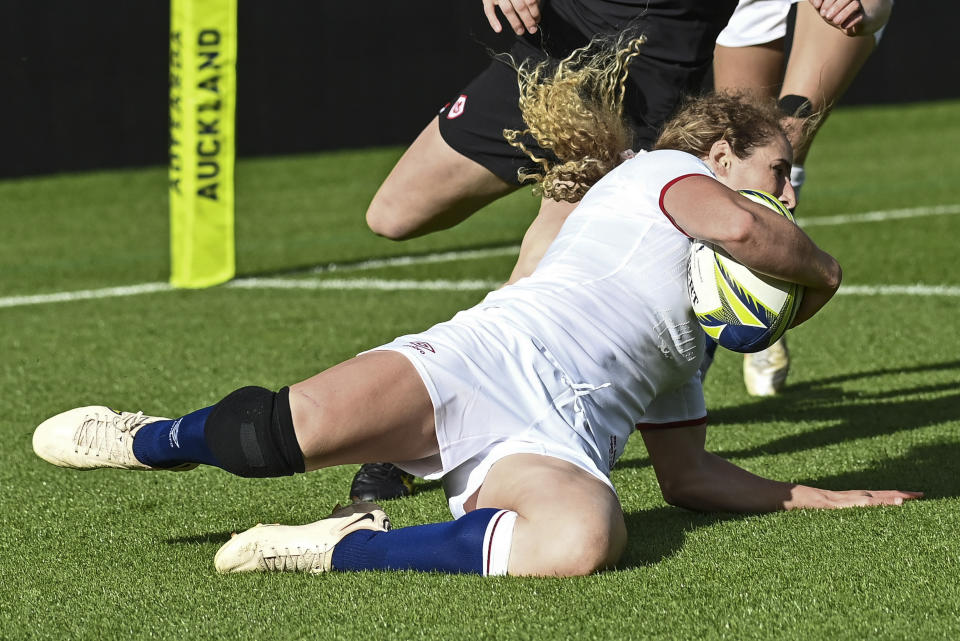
x=751, y=233
x=778, y=248
x=714, y=484
x=775, y=246
x=813, y=300
x=720, y=486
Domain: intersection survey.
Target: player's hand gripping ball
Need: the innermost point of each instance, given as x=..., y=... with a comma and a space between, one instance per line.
x=740, y=309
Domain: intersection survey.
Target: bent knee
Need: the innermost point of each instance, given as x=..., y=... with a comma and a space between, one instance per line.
x=582, y=548
x=388, y=221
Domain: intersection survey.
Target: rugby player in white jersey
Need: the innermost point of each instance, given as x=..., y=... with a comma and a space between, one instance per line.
x=523, y=403
x=460, y=162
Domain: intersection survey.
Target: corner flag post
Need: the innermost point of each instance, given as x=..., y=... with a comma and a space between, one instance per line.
x=203, y=55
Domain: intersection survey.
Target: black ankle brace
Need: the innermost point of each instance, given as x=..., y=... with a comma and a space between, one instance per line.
x=251, y=434
x=795, y=106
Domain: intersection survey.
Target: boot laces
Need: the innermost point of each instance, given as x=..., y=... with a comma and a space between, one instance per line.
x=293, y=559
x=107, y=433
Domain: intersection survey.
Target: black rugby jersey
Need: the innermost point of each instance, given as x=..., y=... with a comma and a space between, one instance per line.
x=679, y=31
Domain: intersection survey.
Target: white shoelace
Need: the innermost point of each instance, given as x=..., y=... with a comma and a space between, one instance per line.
x=293, y=559
x=106, y=434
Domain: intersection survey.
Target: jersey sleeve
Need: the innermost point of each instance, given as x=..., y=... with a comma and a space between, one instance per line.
x=643, y=182
x=661, y=169
x=682, y=406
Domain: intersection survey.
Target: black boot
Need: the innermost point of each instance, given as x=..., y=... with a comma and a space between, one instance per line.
x=379, y=481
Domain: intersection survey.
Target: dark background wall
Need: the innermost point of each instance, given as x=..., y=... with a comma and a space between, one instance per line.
x=84, y=85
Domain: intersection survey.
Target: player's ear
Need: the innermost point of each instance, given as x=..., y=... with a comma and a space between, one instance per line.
x=720, y=157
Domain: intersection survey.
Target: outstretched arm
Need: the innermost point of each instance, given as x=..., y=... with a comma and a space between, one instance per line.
x=695, y=479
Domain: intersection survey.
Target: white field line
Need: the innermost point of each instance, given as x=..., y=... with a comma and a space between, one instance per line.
x=878, y=216
x=475, y=285
x=400, y=261
x=84, y=294
x=379, y=284
x=384, y=285
x=900, y=290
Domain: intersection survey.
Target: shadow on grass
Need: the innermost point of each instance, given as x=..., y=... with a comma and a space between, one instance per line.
x=928, y=468
x=222, y=537
x=196, y=539
x=850, y=414
x=657, y=534
x=425, y=486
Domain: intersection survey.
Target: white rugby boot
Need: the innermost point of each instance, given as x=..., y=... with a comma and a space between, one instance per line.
x=297, y=548
x=765, y=372
x=94, y=437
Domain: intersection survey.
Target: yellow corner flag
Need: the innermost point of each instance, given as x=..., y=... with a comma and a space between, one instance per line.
x=203, y=81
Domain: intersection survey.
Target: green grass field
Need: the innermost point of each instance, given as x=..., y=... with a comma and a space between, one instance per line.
x=873, y=402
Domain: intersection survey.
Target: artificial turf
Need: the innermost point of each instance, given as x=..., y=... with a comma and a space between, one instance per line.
x=873, y=402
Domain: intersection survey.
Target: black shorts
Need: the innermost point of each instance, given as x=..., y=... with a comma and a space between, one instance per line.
x=671, y=64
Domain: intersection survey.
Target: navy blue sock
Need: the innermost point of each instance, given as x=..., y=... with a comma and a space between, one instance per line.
x=172, y=442
x=455, y=546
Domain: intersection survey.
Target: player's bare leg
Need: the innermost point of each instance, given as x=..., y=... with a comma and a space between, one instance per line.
x=373, y=407
x=534, y=515
x=568, y=522
x=432, y=187
x=756, y=68
x=823, y=62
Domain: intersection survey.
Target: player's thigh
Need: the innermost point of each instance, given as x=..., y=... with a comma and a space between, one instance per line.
x=374, y=407
x=569, y=521
x=432, y=187
x=755, y=68
x=539, y=235
x=823, y=61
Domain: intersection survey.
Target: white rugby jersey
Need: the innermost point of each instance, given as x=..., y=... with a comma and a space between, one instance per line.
x=609, y=303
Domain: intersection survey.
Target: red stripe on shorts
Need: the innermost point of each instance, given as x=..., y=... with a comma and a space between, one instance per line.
x=662, y=426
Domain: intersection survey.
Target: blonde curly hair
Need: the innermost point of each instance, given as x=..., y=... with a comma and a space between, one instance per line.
x=574, y=109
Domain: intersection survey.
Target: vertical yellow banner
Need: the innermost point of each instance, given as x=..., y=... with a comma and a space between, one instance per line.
x=203, y=81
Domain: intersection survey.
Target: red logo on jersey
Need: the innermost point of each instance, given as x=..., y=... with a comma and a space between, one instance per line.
x=421, y=346
x=457, y=109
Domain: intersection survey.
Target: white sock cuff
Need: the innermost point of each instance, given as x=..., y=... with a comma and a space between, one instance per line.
x=497, y=541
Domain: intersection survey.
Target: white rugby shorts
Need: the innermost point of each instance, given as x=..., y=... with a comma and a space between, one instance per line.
x=495, y=393
x=757, y=22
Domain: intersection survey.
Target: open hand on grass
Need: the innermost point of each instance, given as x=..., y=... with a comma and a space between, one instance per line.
x=809, y=497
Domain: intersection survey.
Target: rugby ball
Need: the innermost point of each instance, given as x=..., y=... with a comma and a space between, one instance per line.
x=740, y=309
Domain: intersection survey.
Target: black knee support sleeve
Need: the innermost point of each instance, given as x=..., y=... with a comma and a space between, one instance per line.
x=795, y=106
x=250, y=432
